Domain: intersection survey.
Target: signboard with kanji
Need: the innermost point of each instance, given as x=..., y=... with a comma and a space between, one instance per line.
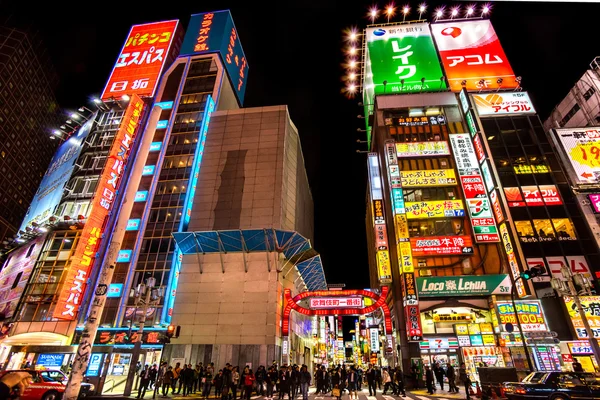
x=503, y=103
x=581, y=148
x=336, y=302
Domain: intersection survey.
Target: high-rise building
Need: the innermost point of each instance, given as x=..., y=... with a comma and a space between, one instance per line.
x=28, y=112
x=465, y=193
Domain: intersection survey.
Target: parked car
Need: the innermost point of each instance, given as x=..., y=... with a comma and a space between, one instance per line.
x=555, y=386
x=49, y=385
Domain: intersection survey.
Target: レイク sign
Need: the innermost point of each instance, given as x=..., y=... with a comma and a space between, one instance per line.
x=338, y=302
x=141, y=61
x=476, y=285
x=83, y=259
x=503, y=103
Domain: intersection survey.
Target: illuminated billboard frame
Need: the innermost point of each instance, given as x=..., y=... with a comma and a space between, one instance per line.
x=428, y=178
x=503, y=103
x=580, y=149
x=384, y=268
x=82, y=261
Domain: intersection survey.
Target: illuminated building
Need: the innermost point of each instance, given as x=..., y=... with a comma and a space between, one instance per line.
x=460, y=174
x=29, y=112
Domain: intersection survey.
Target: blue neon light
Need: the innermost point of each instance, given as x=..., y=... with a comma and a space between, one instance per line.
x=165, y=105
x=148, y=170
x=124, y=255
x=133, y=225
x=162, y=124
x=94, y=365
x=115, y=290
x=398, y=200
x=187, y=209
x=141, y=196
x=155, y=146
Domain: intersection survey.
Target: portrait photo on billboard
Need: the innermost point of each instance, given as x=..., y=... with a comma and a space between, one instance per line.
x=471, y=52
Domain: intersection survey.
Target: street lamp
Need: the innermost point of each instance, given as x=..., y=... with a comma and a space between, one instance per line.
x=151, y=296
x=566, y=287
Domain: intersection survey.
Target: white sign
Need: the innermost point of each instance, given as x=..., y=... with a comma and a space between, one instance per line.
x=464, y=154
x=374, y=339
x=504, y=103
x=553, y=265
x=285, y=346
x=582, y=148
x=338, y=302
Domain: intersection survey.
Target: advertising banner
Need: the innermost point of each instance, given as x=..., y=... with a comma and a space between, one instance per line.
x=515, y=268
x=402, y=55
x=503, y=103
x=582, y=149
x=479, y=151
x=428, y=178
x=554, y=265
x=215, y=32
x=532, y=196
x=383, y=266
x=467, y=285
x=530, y=315
x=141, y=60
x=50, y=191
x=591, y=307
x=82, y=261
x=595, y=202
x=16, y=273
x=381, y=237
x=471, y=51
x=406, y=261
x=422, y=149
x=434, y=209
x=338, y=302
x=441, y=245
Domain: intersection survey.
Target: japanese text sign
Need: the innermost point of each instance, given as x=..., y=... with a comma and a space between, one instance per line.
x=467, y=285
x=471, y=51
x=428, y=178
x=422, y=149
x=532, y=196
x=404, y=56
x=595, y=202
x=405, y=255
x=503, y=103
x=435, y=209
x=515, y=268
x=384, y=268
x=82, y=262
x=441, y=245
x=123, y=336
x=215, y=32
x=582, y=149
x=141, y=61
x=591, y=307
x=337, y=302
x=529, y=311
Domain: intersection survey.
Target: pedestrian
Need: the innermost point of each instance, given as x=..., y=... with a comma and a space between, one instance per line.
x=304, y=381
x=577, y=367
x=451, y=374
x=399, y=382
x=153, y=374
x=235, y=381
x=371, y=381
x=322, y=378
x=167, y=381
x=144, y=381
x=386, y=379
x=271, y=381
x=261, y=376
x=188, y=380
x=464, y=378
x=429, y=379
x=415, y=375
x=227, y=382
x=359, y=373
x=249, y=379
x=378, y=377
x=218, y=382
x=181, y=379
x=352, y=379
x=284, y=382
x=207, y=381
x=196, y=383
x=176, y=372
x=438, y=371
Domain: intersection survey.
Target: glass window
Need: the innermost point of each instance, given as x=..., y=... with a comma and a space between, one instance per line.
x=564, y=229
x=524, y=229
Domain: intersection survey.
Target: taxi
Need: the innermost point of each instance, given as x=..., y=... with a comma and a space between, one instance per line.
x=49, y=385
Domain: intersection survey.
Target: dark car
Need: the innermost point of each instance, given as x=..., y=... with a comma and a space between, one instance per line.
x=49, y=385
x=555, y=386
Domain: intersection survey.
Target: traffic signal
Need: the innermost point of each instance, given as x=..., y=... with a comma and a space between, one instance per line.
x=536, y=270
x=170, y=331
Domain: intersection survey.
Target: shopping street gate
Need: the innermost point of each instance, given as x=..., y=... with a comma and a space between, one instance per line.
x=346, y=305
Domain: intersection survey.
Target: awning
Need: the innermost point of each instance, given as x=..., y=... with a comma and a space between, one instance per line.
x=295, y=247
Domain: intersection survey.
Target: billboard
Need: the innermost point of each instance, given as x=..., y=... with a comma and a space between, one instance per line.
x=384, y=268
x=530, y=314
x=503, y=103
x=435, y=209
x=532, y=196
x=404, y=57
x=338, y=302
x=595, y=202
x=422, y=149
x=591, y=307
x=513, y=263
x=82, y=261
x=428, y=178
x=554, y=265
x=215, y=32
x=467, y=285
x=50, y=191
x=141, y=61
x=15, y=274
x=471, y=52
x=582, y=148
x=441, y=245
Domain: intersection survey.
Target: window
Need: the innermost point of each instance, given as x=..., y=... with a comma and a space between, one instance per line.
x=430, y=194
x=545, y=230
x=589, y=93
x=30, y=250
x=436, y=227
x=569, y=115
x=17, y=279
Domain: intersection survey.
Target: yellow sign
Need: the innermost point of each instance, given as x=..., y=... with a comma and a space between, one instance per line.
x=402, y=226
x=461, y=329
x=383, y=266
x=489, y=340
x=428, y=178
x=406, y=261
x=486, y=328
x=591, y=307
x=474, y=329
x=435, y=209
x=512, y=260
x=416, y=149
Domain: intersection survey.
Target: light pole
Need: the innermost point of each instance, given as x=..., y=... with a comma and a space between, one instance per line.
x=151, y=296
x=566, y=287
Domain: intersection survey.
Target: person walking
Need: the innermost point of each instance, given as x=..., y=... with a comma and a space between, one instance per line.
x=207, y=381
x=429, y=379
x=176, y=372
x=451, y=374
x=249, y=379
x=378, y=377
x=284, y=382
x=352, y=379
x=227, y=381
x=167, y=381
x=153, y=375
x=463, y=377
x=438, y=371
x=371, y=381
x=271, y=381
x=577, y=367
x=414, y=369
x=144, y=381
x=218, y=382
x=235, y=382
x=188, y=380
x=294, y=381
x=304, y=382
x=261, y=376
x=399, y=382
x=321, y=380
x=386, y=379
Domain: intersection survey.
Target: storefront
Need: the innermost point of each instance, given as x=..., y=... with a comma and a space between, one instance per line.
x=579, y=350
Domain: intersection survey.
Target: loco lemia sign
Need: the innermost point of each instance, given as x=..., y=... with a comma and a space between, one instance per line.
x=476, y=285
x=471, y=52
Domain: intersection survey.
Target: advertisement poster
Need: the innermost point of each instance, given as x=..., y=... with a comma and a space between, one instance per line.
x=441, y=245
x=591, y=307
x=471, y=51
x=428, y=178
x=420, y=149
x=530, y=314
x=515, y=269
x=503, y=103
x=582, y=149
x=434, y=209
x=383, y=266
x=467, y=285
x=532, y=196
x=15, y=274
x=402, y=55
x=140, y=64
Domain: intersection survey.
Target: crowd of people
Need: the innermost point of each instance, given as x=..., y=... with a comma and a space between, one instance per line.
x=449, y=372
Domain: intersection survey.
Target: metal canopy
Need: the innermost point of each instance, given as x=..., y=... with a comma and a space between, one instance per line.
x=295, y=247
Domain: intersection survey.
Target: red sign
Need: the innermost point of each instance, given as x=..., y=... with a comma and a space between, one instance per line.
x=496, y=206
x=441, y=245
x=381, y=236
x=83, y=259
x=473, y=186
x=567, y=358
x=532, y=196
x=141, y=61
x=341, y=302
x=478, y=148
x=482, y=221
x=413, y=323
x=471, y=52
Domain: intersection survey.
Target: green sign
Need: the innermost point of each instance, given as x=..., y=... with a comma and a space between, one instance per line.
x=405, y=58
x=465, y=285
x=485, y=229
x=471, y=123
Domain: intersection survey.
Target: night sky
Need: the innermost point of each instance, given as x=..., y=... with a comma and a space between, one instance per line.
x=294, y=54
